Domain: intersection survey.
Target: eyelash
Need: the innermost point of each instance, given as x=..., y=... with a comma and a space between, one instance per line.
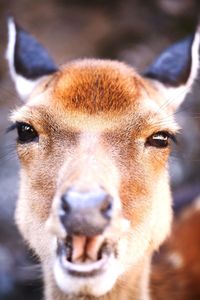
x=11, y=127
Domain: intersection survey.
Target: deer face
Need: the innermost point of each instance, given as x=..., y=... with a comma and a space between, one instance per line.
x=93, y=141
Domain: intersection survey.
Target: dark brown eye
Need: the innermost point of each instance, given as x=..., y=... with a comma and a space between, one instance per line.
x=26, y=133
x=159, y=139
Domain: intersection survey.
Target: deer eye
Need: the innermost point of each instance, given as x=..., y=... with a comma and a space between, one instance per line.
x=160, y=139
x=26, y=133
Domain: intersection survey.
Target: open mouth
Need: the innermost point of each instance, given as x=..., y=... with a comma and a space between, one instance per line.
x=84, y=256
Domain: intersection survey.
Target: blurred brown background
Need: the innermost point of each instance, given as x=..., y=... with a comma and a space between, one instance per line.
x=133, y=31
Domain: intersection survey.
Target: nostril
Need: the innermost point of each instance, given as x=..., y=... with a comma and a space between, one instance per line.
x=65, y=204
x=106, y=207
x=85, y=213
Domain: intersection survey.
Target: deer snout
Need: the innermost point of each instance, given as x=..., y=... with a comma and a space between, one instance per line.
x=86, y=213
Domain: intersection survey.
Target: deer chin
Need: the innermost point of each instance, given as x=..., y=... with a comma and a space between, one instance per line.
x=85, y=276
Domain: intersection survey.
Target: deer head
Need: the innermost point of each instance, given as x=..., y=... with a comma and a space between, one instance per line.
x=93, y=142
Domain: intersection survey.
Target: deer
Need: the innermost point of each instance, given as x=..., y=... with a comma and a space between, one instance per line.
x=93, y=140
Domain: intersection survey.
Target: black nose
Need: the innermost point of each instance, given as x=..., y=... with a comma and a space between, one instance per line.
x=86, y=213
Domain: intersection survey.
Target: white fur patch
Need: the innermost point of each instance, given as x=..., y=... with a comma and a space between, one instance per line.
x=23, y=86
x=95, y=286
x=197, y=204
x=176, y=260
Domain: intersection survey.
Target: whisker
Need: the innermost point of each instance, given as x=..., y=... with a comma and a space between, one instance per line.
x=30, y=272
x=170, y=100
x=181, y=156
x=168, y=118
x=9, y=152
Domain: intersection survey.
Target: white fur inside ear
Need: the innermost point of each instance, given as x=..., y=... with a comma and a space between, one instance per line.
x=175, y=95
x=23, y=86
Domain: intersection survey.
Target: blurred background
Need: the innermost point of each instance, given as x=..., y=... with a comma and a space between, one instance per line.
x=133, y=31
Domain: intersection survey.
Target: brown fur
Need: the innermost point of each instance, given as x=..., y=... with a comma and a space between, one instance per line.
x=96, y=87
x=176, y=267
x=98, y=111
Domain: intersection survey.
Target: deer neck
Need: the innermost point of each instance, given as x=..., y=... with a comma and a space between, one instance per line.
x=133, y=286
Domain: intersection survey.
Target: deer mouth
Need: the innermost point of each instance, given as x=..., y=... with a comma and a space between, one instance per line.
x=84, y=256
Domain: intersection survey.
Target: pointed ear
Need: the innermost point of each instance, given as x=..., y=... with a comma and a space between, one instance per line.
x=28, y=60
x=176, y=69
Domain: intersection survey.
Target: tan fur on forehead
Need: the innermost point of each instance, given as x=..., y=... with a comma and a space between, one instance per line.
x=97, y=86
x=109, y=91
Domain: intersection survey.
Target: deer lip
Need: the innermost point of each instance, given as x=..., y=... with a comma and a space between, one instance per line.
x=83, y=267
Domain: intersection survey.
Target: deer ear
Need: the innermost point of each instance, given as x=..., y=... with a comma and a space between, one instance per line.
x=28, y=60
x=176, y=69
